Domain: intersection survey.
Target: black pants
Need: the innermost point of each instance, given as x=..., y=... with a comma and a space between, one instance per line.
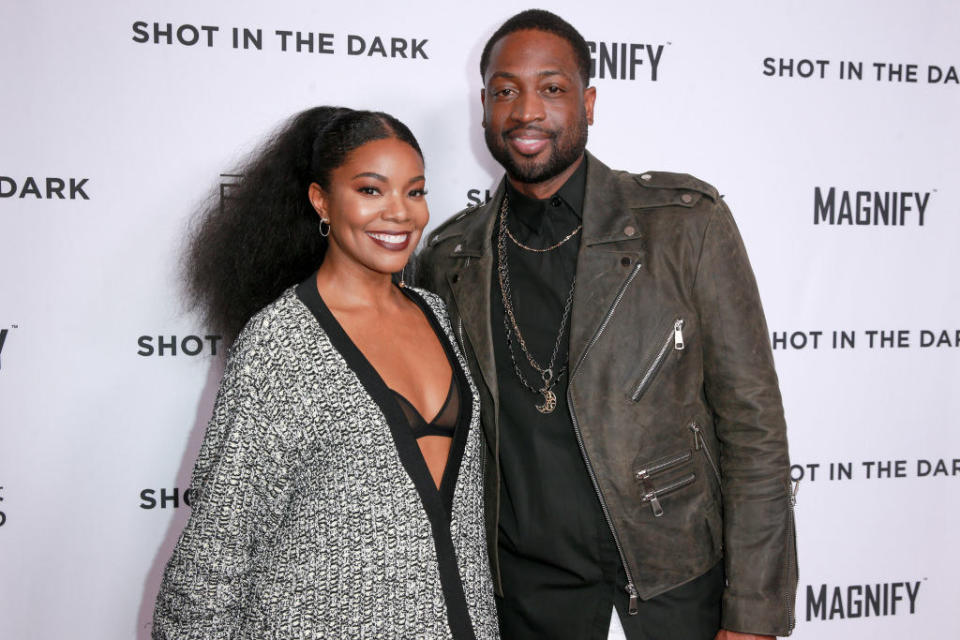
x=689, y=612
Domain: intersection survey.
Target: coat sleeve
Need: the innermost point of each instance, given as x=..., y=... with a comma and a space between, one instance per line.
x=238, y=491
x=741, y=387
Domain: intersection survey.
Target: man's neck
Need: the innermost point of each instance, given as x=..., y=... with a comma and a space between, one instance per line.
x=545, y=189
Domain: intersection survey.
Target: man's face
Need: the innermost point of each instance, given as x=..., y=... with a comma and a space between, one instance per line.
x=535, y=107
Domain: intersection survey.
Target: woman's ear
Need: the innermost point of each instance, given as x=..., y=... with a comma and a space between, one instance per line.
x=318, y=198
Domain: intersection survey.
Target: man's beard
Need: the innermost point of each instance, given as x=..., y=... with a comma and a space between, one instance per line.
x=565, y=149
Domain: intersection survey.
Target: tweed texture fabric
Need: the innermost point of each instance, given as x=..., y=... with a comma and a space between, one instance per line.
x=304, y=522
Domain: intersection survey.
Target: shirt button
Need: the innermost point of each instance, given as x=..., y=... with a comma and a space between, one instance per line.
x=455, y=278
x=646, y=176
x=555, y=201
x=625, y=261
x=458, y=248
x=687, y=198
x=629, y=230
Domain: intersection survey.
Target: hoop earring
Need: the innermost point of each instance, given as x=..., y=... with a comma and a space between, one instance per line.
x=324, y=227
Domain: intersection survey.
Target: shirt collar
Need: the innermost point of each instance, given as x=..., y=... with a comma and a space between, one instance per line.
x=568, y=198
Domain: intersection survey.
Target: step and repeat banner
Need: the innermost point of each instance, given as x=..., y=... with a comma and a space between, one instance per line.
x=831, y=128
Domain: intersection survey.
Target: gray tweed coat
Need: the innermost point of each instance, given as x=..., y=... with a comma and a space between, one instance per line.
x=310, y=513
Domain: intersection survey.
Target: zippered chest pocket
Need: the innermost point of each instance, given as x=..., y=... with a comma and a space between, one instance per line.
x=672, y=342
x=654, y=489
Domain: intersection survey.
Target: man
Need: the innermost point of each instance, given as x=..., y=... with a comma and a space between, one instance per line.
x=637, y=455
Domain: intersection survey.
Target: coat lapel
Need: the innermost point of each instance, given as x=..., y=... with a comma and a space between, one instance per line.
x=470, y=283
x=611, y=249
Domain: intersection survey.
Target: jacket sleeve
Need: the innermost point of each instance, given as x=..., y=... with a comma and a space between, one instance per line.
x=741, y=387
x=238, y=491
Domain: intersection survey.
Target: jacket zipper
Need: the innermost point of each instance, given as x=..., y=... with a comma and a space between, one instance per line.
x=631, y=588
x=791, y=552
x=700, y=444
x=663, y=464
x=676, y=337
x=653, y=495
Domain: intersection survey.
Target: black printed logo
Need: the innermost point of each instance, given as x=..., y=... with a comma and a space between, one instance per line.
x=833, y=206
x=44, y=188
x=831, y=602
x=164, y=498
x=624, y=60
x=190, y=345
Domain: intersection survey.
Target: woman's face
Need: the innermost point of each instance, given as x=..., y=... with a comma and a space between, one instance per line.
x=375, y=205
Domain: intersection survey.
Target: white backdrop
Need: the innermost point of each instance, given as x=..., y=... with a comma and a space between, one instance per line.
x=100, y=420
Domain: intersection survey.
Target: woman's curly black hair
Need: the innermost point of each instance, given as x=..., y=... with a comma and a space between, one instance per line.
x=243, y=250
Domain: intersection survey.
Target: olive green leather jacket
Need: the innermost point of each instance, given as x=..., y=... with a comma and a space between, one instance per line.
x=673, y=394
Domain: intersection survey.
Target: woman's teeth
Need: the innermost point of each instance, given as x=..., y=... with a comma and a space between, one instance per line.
x=390, y=238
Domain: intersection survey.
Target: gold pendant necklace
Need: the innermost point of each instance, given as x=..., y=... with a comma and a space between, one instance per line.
x=549, y=403
x=545, y=249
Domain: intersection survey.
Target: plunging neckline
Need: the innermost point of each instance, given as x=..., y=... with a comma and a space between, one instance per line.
x=437, y=502
x=408, y=449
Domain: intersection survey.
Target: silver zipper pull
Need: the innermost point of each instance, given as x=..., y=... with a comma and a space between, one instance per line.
x=697, y=438
x=793, y=494
x=655, y=505
x=678, y=335
x=634, y=598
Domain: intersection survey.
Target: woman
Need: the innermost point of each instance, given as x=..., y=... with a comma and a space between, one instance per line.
x=324, y=504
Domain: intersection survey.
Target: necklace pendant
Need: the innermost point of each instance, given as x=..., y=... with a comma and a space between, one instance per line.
x=549, y=401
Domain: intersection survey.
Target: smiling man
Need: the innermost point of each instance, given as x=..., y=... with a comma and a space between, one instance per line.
x=638, y=478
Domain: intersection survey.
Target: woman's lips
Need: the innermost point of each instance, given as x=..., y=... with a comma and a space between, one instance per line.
x=390, y=241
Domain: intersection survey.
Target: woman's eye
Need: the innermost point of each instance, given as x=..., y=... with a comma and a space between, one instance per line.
x=370, y=191
x=418, y=193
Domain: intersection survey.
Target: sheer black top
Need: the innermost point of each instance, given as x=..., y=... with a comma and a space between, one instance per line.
x=444, y=423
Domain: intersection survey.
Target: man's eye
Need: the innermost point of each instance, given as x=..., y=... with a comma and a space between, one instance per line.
x=554, y=89
x=506, y=93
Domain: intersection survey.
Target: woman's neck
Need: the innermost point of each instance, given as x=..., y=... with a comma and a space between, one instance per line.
x=350, y=286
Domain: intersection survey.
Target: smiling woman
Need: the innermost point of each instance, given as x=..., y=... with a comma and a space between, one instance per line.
x=325, y=503
x=377, y=195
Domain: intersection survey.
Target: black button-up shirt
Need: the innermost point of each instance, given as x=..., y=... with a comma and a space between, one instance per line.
x=558, y=560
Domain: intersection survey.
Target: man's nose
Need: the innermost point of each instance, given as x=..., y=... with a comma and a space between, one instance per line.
x=528, y=107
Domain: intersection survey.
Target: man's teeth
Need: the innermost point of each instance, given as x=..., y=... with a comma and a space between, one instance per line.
x=391, y=238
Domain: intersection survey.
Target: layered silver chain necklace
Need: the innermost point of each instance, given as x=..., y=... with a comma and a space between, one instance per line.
x=510, y=325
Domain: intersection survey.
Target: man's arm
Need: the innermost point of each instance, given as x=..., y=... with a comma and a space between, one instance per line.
x=741, y=387
x=733, y=635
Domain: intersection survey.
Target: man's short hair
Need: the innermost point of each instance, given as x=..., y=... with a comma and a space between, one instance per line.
x=540, y=20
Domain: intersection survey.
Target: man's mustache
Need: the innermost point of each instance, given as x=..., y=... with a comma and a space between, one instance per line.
x=528, y=129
